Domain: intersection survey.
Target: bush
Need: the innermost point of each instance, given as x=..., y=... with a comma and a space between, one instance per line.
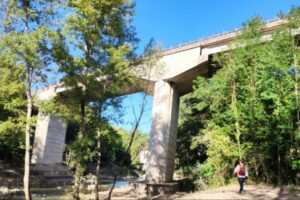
x=203, y=174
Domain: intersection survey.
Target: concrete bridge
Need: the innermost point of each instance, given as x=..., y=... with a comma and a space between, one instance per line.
x=178, y=67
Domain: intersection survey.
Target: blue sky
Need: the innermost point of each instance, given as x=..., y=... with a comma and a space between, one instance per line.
x=178, y=21
x=172, y=22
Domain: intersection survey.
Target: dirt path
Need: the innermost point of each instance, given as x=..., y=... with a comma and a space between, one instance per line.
x=252, y=192
x=256, y=192
x=228, y=192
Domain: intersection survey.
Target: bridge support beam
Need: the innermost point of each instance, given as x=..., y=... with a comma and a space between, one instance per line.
x=162, y=147
x=49, y=140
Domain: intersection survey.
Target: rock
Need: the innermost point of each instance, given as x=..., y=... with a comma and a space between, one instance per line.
x=90, y=187
x=4, y=190
x=14, y=190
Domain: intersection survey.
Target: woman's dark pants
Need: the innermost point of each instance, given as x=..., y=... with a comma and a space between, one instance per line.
x=241, y=182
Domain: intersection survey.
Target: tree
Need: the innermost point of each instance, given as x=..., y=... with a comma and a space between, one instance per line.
x=93, y=51
x=12, y=109
x=139, y=143
x=25, y=47
x=144, y=67
x=252, y=104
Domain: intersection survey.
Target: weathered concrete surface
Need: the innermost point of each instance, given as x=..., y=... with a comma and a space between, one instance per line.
x=162, y=147
x=49, y=140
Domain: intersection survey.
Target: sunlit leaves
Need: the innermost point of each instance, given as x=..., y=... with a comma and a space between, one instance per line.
x=253, y=101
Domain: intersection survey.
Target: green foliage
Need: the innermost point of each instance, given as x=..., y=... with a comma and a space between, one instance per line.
x=24, y=58
x=25, y=42
x=96, y=42
x=114, y=143
x=112, y=146
x=92, y=51
x=189, y=152
x=204, y=175
x=252, y=106
x=140, y=143
x=12, y=117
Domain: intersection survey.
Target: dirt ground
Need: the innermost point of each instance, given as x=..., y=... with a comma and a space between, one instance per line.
x=251, y=192
x=256, y=192
x=228, y=192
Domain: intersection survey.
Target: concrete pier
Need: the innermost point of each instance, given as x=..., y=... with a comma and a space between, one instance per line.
x=49, y=140
x=162, y=147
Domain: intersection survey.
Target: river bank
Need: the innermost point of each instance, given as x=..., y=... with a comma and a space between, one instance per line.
x=60, y=192
x=51, y=185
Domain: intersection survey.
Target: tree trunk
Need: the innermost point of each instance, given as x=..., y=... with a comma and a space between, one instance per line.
x=28, y=116
x=137, y=123
x=265, y=171
x=296, y=89
x=78, y=166
x=279, y=166
x=27, y=145
x=256, y=166
x=236, y=116
x=77, y=182
x=114, y=183
x=98, y=166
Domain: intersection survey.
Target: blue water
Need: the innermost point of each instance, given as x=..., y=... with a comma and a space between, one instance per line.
x=59, y=192
x=119, y=183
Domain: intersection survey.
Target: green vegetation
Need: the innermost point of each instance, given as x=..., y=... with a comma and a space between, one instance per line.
x=248, y=109
x=12, y=109
x=140, y=143
x=113, y=147
x=96, y=40
x=24, y=46
x=95, y=43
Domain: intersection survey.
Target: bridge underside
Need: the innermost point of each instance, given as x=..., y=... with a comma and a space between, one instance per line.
x=184, y=82
x=51, y=132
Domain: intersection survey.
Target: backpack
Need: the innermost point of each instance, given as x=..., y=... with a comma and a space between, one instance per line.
x=242, y=171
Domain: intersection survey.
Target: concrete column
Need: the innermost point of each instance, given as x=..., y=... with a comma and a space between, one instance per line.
x=49, y=140
x=162, y=147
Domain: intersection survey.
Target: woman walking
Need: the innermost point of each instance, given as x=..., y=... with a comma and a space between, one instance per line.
x=241, y=173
